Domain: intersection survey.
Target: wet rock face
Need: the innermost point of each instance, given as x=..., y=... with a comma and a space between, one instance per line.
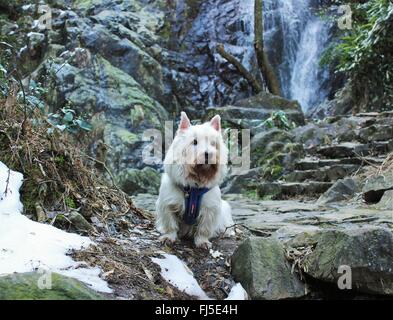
x=24, y=286
x=260, y=265
x=131, y=65
x=202, y=25
x=367, y=251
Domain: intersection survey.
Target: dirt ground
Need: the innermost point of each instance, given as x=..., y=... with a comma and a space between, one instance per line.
x=124, y=254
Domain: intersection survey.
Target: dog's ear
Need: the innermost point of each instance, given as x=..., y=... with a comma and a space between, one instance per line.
x=216, y=123
x=184, y=122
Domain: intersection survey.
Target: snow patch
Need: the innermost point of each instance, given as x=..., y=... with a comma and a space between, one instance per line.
x=179, y=275
x=237, y=293
x=176, y=272
x=26, y=245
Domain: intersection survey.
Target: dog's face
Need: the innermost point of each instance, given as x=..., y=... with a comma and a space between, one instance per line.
x=201, y=149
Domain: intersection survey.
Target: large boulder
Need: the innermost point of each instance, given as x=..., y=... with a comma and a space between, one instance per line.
x=375, y=187
x=260, y=266
x=32, y=286
x=366, y=251
x=386, y=202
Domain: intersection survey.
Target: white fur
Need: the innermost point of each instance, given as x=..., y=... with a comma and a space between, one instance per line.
x=215, y=214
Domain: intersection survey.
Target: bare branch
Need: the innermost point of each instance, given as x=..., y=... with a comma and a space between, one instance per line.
x=240, y=68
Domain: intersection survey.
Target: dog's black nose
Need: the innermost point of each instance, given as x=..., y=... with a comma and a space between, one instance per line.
x=207, y=157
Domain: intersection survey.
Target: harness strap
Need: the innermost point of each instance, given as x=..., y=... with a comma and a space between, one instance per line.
x=193, y=199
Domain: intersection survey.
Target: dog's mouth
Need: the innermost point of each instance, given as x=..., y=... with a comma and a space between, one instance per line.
x=204, y=167
x=203, y=173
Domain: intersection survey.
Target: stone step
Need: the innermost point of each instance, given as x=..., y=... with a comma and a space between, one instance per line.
x=342, y=150
x=324, y=174
x=313, y=163
x=282, y=190
x=383, y=147
x=351, y=149
x=373, y=133
x=381, y=132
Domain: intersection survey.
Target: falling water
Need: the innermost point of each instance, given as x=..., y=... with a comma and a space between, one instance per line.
x=307, y=76
x=295, y=39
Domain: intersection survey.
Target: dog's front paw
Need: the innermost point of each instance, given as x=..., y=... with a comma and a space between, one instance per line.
x=202, y=243
x=168, y=238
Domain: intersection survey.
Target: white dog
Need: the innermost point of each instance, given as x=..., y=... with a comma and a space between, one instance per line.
x=189, y=203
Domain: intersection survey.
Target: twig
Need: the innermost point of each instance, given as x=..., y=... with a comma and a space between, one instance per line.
x=7, y=182
x=245, y=227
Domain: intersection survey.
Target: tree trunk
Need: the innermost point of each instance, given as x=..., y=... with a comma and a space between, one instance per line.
x=265, y=67
x=240, y=68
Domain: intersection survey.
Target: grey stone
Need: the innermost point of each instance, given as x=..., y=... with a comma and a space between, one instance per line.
x=279, y=190
x=343, y=150
x=260, y=266
x=135, y=181
x=386, y=202
x=251, y=112
x=375, y=187
x=367, y=251
x=342, y=190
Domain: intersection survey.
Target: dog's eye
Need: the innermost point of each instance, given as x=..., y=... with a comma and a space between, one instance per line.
x=195, y=142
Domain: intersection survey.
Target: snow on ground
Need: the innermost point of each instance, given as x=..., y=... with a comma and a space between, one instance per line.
x=176, y=272
x=26, y=245
x=237, y=293
x=179, y=275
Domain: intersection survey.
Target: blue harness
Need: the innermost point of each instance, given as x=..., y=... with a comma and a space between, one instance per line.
x=193, y=198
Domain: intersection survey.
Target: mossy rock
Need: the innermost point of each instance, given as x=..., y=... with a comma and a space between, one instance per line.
x=134, y=181
x=259, y=264
x=25, y=286
x=367, y=252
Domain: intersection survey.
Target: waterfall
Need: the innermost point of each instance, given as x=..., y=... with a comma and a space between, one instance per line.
x=295, y=39
x=306, y=79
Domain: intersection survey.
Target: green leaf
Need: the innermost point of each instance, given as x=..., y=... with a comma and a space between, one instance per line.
x=68, y=117
x=84, y=124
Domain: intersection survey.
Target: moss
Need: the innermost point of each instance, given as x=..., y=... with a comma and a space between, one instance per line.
x=137, y=115
x=59, y=160
x=272, y=165
x=252, y=194
x=160, y=290
x=166, y=30
x=276, y=170
x=24, y=286
x=85, y=5
x=70, y=202
x=126, y=136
